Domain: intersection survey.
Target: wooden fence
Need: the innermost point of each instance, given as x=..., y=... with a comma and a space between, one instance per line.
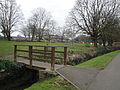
x=32, y=52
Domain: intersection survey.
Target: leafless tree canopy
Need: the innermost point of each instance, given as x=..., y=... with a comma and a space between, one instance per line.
x=92, y=16
x=40, y=24
x=10, y=16
x=99, y=19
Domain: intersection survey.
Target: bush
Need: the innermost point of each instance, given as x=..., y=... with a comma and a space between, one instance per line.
x=16, y=73
x=5, y=65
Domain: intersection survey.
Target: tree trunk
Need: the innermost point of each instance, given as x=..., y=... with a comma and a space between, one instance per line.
x=33, y=37
x=39, y=38
x=4, y=36
x=49, y=39
x=8, y=36
x=104, y=42
x=110, y=43
x=95, y=42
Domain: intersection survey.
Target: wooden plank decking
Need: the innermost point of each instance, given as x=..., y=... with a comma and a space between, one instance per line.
x=38, y=65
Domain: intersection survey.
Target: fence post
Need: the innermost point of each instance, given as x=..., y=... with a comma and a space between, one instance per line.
x=30, y=55
x=65, y=55
x=45, y=50
x=53, y=58
x=15, y=53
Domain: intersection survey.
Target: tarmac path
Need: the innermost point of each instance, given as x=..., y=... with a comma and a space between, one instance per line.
x=109, y=78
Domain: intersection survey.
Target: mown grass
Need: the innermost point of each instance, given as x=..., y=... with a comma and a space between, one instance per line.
x=6, y=47
x=100, y=62
x=52, y=84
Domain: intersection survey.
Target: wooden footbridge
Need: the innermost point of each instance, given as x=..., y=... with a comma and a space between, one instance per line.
x=41, y=57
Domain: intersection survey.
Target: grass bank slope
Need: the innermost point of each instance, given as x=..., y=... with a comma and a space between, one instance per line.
x=100, y=62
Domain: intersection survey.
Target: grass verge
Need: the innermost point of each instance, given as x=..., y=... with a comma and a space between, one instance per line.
x=55, y=83
x=100, y=62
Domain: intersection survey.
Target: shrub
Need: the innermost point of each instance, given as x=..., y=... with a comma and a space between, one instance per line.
x=5, y=65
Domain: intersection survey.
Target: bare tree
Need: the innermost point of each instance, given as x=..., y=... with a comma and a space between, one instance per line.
x=25, y=32
x=39, y=22
x=111, y=31
x=70, y=29
x=91, y=16
x=10, y=16
x=32, y=27
x=50, y=31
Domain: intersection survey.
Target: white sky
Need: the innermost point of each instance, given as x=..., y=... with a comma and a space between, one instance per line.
x=58, y=8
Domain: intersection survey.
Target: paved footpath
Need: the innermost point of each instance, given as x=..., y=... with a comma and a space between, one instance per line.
x=90, y=79
x=109, y=78
x=79, y=77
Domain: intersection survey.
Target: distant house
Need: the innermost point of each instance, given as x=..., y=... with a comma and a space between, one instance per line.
x=17, y=38
x=56, y=38
x=116, y=44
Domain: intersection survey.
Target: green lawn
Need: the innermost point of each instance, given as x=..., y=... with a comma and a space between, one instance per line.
x=6, y=47
x=100, y=62
x=52, y=84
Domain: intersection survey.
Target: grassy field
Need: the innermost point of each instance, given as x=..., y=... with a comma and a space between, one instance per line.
x=6, y=47
x=52, y=84
x=100, y=62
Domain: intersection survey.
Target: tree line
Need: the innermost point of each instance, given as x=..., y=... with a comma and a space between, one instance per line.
x=98, y=19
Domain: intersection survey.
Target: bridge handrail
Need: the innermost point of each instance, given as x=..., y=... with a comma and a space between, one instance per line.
x=52, y=52
x=40, y=45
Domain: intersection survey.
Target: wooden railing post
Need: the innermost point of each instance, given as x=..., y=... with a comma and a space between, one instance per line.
x=53, y=58
x=15, y=53
x=30, y=55
x=65, y=55
x=45, y=50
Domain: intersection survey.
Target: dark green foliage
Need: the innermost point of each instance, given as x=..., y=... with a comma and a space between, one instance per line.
x=16, y=75
x=6, y=65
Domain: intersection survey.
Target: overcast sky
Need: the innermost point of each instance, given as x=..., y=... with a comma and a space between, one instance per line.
x=58, y=8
